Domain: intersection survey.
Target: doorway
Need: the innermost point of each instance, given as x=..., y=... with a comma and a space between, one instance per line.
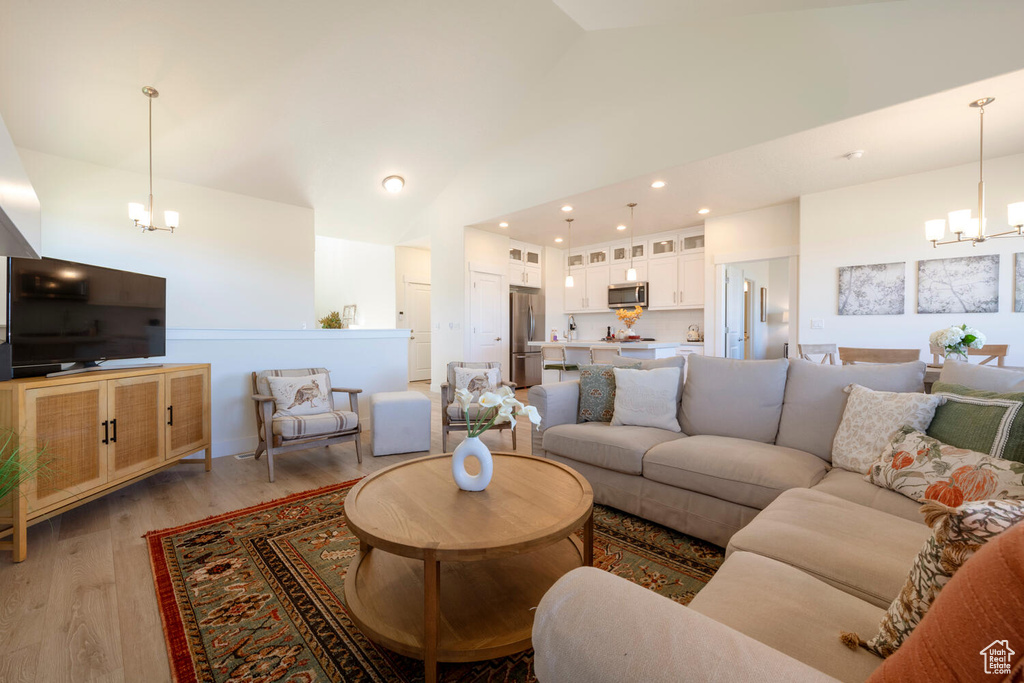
x=752, y=316
x=417, y=315
x=748, y=318
x=488, y=317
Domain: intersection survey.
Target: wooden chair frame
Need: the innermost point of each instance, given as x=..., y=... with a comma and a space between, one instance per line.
x=273, y=444
x=450, y=425
x=994, y=352
x=829, y=352
x=850, y=356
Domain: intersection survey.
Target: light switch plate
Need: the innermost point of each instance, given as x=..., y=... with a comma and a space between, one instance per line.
x=817, y=323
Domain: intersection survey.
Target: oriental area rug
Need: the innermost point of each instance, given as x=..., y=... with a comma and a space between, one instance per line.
x=257, y=595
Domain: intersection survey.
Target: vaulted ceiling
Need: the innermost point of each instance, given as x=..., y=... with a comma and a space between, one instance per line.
x=485, y=107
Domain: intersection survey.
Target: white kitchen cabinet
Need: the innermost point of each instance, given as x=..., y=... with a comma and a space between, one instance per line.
x=574, y=260
x=662, y=278
x=618, y=271
x=662, y=247
x=691, y=280
x=515, y=252
x=598, y=279
x=597, y=257
x=525, y=268
x=575, y=296
x=532, y=276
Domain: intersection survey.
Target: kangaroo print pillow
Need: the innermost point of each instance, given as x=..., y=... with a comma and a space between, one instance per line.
x=294, y=396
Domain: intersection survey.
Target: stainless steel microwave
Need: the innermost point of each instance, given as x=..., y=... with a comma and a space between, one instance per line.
x=628, y=295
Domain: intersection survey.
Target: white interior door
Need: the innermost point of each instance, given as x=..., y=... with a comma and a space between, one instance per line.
x=733, y=312
x=417, y=314
x=488, y=318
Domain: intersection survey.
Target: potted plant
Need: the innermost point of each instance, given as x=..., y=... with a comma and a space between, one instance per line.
x=331, y=321
x=17, y=465
x=495, y=408
x=629, y=318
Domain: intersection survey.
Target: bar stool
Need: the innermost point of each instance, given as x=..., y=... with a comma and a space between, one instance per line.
x=603, y=354
x=553, y=358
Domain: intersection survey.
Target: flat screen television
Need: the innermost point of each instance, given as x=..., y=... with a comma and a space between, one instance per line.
x=67, y=312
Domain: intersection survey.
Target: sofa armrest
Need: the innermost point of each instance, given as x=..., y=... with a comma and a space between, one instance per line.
x=262, y=398
x=647, y=638
x=347, y=390
x=557, y=404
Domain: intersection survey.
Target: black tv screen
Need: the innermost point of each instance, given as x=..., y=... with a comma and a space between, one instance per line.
x=67, y=312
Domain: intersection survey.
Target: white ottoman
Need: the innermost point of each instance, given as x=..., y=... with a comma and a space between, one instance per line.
x=400, y=421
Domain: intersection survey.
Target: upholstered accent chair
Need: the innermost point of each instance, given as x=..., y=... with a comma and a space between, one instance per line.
x=452, y=417
x=286, y=433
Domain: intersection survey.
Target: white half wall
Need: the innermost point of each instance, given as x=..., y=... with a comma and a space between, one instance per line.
x=236, y=262
x=360, y=273
x=883, y=222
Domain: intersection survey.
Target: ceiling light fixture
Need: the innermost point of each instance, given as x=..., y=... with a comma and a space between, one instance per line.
x=621, y=227
x=558, y=240
x=503, y=224
x=568, y=276
x=658, y=184
x=965, y=228
x=854, y=155
x=631, y=273
x=567, y=208
x=142, y=216
x=393, y=183
x=703, y=212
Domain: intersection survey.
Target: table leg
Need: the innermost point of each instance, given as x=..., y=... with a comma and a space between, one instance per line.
x=588, y=540
x=431, y=614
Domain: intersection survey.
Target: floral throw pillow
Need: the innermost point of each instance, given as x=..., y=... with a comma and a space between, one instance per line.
x=924, y=468
x=597, y=392
x=957, y=533
x=293, y=396
x=477, y=381
x=870, y=420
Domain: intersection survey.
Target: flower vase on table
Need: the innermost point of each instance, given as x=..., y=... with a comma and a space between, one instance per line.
x=954, y=341
x=630, y=318
x=495, y=409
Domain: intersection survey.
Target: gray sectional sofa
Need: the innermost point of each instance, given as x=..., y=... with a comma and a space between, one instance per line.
x=810, y=551
x=751, y=430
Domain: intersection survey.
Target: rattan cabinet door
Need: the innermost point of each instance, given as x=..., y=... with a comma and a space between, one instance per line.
x=188, y=401
x=64, y=427
x=136, y=424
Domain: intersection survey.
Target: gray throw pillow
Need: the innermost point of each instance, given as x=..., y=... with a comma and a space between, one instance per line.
x=597, y=392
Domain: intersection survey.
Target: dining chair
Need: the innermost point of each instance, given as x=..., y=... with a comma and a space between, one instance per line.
x=603, y=354
x=992, y=352
x=850, y=356
x=828, y=352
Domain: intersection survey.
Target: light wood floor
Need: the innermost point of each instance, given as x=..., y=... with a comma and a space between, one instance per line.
x=82, y=606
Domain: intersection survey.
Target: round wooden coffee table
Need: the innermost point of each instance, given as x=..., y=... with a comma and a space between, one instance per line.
x=446, y=575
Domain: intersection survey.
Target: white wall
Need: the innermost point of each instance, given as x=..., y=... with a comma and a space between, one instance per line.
x=768, y=233
x=778, y=302
x=20, y=233
x=235, y=262
x=883, y=222
x=412, y=264
x=554, y=291
x=360, y=273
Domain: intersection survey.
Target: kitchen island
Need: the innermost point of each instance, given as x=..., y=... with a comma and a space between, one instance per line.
x=579, y=351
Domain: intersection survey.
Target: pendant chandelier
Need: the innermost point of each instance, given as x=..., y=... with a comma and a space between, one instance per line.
x=142, y=215
x=964, y=228
x=568, y=276
x=631, y=273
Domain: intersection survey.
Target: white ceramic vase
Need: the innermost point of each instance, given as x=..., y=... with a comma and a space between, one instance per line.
x=472, y=446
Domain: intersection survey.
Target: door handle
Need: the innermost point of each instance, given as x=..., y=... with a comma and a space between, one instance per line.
x=113, y=426
x=170, y=416
x=106, y=431
x=497, y=339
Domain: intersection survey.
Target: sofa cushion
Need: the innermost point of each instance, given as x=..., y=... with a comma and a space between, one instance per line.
x=597, y=443
x=863, y=552
x=855, y=488
x=302, y=426
x=982, y=377
x=746, y=472
x=737, y=398
x=790, y=611
x=983, y=421
x=646, y=398
x=815, y=400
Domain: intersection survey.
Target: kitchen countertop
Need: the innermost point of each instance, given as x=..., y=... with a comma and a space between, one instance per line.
x=585, y=344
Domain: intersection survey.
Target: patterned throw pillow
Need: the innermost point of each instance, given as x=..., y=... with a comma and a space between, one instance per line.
x=870, y=420
x=597, y=392
x=308, y=395
x=477, y=381
x=982, y=421
x=957, y=533
x=924, y=468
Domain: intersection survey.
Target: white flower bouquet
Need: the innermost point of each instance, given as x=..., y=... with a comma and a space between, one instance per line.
x=956, y=339
x=496, y=408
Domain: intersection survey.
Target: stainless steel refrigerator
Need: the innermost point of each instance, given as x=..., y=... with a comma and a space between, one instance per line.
x=527, y=324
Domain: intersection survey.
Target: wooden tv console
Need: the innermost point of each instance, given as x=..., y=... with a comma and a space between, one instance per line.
x=98, y=432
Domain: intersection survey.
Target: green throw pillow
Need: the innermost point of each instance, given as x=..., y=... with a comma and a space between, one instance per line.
x=597, y=392
x=983, y=421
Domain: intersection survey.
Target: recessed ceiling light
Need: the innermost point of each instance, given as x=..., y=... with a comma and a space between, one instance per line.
x=567, y=208
x=394, y=183
x=703, y=212
x=658, y=184
x=621, y=227
x=558, y=239
x=503, y=224
x=855, y=154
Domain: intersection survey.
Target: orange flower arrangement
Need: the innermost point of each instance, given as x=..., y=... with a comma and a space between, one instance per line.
x=628, y=317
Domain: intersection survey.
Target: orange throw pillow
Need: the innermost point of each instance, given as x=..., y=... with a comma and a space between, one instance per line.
x=975, y=622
